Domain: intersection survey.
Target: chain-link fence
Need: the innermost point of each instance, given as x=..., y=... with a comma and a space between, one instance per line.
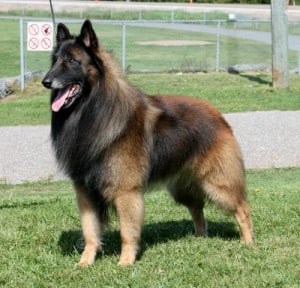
x=161, y=46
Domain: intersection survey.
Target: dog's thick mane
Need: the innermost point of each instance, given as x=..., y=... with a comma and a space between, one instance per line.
x=112, y=102
x=119, y=99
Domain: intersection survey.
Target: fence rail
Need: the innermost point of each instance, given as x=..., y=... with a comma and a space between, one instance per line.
x=166, y=46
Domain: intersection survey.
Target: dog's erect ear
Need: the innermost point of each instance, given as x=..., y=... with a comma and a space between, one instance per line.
x=88, y=35
x=62, y=34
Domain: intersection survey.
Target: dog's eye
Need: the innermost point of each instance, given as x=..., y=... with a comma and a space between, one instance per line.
x=70, y=59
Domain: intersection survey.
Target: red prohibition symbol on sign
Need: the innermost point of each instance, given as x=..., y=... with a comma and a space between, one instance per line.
x=34, y=43
x=46, y=43
x=46, y=29
x=33, y=29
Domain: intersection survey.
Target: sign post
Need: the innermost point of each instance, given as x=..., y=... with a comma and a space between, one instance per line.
x=22, y=65
x=39, y=36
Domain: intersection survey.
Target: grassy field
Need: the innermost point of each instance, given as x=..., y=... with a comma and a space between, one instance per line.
x=41, y=240
x=228, y=92
x=141, y=57
x=9, y=48
x=113, y=14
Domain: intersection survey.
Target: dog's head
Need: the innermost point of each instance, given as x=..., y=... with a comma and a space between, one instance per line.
x=75, y=66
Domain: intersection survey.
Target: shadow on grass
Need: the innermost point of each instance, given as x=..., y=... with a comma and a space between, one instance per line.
x=250, y=77
x=256, y=79
x=253, y=78
x=26, y=203
x=72, y=242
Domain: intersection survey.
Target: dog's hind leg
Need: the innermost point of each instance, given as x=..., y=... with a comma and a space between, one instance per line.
x=233, y=199
x=242, y=215
x=91, y=227
x=221, y=174
x=188, y=193
x=197, y=214
x=130, y=209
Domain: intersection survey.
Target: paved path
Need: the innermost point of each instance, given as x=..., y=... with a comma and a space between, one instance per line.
x=265, y=37
x=268, y=139
x=257, y=11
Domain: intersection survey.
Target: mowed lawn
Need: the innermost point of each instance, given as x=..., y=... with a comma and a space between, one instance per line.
x=41, y=240
x=142, y=54
x=228, y=92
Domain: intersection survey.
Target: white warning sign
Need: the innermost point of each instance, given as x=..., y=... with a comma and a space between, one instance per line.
x=39, y=36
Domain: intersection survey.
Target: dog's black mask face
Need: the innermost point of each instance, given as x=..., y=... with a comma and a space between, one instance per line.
x=75, y=65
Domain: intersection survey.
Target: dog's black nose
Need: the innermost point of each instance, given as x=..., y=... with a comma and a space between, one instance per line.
x=47, y=82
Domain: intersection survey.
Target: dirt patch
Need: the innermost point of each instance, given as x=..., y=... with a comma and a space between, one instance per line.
x=175, y=43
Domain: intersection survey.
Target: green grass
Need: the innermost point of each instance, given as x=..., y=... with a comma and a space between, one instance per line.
x=120, y=14
x=228, y=92
x=148, y=58
x=40, y=240
x=9, y=48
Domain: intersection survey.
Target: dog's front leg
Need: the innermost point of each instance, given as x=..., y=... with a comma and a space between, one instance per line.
x=91, y=227
x=130, y=209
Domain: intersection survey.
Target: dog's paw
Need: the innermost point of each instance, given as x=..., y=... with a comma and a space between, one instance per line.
x=84, y=263
x=126, y=261
x=87, y=259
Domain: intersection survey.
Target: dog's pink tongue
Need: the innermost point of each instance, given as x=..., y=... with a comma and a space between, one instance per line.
x=60, y=99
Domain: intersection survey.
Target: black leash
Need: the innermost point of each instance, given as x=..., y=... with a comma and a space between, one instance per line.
x=52, y=13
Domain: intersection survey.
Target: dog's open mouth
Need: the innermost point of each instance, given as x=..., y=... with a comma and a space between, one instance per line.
x=66, y=96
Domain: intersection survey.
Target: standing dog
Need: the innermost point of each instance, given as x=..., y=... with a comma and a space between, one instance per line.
x=113, y=141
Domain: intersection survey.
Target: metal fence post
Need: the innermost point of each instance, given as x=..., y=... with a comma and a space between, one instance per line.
x=124, y=46
x=218, y=47
x=22, y=60
x=172, y=15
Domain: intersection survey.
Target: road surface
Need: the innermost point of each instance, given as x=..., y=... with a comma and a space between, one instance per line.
x=257, y=11
x=268, y=139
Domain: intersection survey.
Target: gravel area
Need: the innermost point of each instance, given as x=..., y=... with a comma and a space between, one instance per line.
x=268, y=139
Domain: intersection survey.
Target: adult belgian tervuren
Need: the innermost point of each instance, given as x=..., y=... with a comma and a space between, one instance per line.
x=112, y=140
